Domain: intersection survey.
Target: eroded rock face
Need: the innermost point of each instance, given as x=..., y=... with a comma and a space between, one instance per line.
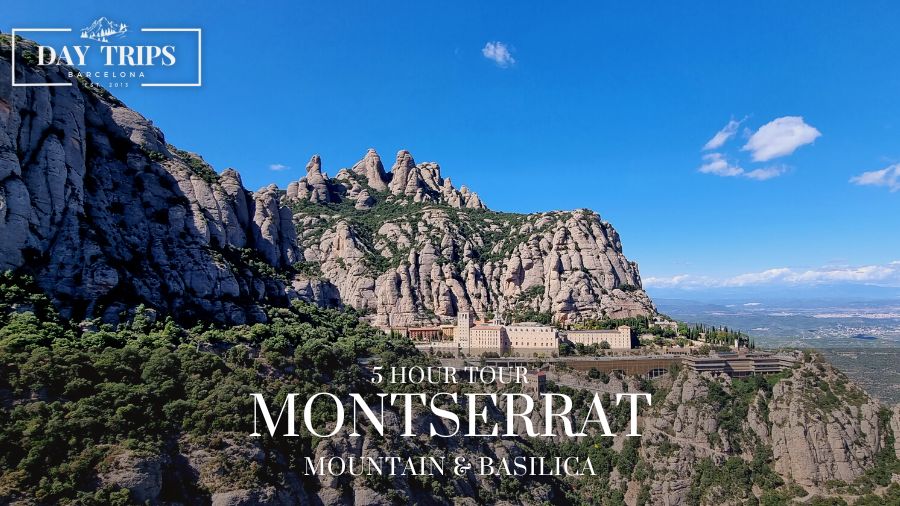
x=229, y=472
x=895, y=426
x=314, y=186
x=421, y=183
x=811, y=438
x=433, y=262
x=105, y=213
x=421, y=256
x=372, y=169
x=815, y=442
x=685, y=420
x=102, y=211
x=141, y=475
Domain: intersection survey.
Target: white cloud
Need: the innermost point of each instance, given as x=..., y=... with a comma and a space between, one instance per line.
x=278, y=167
x=888, y=176
x=715, y=163
x=722, y=136
x=669, y=281
x=757, y=278
x=766, y=173
x=780, y=137
x=888, y=273
x=498, y=53
x=866, y=273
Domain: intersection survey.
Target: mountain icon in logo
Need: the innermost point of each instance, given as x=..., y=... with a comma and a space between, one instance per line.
x=103, y=29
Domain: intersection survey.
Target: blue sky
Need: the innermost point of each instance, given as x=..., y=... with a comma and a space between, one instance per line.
x=581, y=104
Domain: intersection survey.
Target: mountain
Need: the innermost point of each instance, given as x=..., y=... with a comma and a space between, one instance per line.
x=100, y=214
x=149, y=412
x=105, y=215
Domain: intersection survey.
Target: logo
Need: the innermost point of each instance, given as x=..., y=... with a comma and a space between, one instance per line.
x=103, y=29
x=112, y=54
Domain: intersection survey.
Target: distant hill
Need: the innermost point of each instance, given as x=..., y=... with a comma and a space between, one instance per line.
x=836, y=292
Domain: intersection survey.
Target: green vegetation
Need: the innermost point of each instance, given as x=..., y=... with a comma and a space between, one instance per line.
x=721, y=336
x=251, y=258
x=734, y=479
x=493, y=234
x=732, y=405
x=74, y=394
x=594, y=489
x=523, y=307
x=308, y=269
x=530, y=315
x=154, y=156
x=197, y=165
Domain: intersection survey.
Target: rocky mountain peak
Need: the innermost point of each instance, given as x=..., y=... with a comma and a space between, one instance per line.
x=404, y=161
x=312, y=187
x=314, y=167
x=402, y=172
x=366, y=183
x=104, y=213
x=372, y=169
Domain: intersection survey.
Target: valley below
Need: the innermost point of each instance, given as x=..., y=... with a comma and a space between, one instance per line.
x=861, y=338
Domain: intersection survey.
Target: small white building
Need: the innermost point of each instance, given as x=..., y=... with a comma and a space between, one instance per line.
x=618, y=339
x=473, y=337
x=532, y=337
x=522, y=339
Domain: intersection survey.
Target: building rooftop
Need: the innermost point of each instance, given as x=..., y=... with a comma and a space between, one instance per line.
x=611, y=331
x=528, y=324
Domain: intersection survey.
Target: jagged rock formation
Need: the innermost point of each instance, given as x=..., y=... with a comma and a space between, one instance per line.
x=895, y=426
x=314, y=186
x=98, y=206
x=372, y=169
x=431, y=262
x=814, y=440
x=832, y=447
x=821, y=431
x=418, y=254
x=422, y=183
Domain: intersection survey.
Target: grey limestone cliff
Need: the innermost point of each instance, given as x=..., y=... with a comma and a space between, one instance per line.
x=104, y=213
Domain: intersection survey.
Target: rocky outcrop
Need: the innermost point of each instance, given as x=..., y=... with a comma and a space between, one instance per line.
x=371, y=168
x=817, y=438
x=274, y=235
x=821, y=431
x=420, y=256
x=367, y=182
x=423, y=183
x=103, y=212
x=433, y=262
x=228, y=471
x=141, y=475
x=314, y=186
x=895, y=427
x=685, y=420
